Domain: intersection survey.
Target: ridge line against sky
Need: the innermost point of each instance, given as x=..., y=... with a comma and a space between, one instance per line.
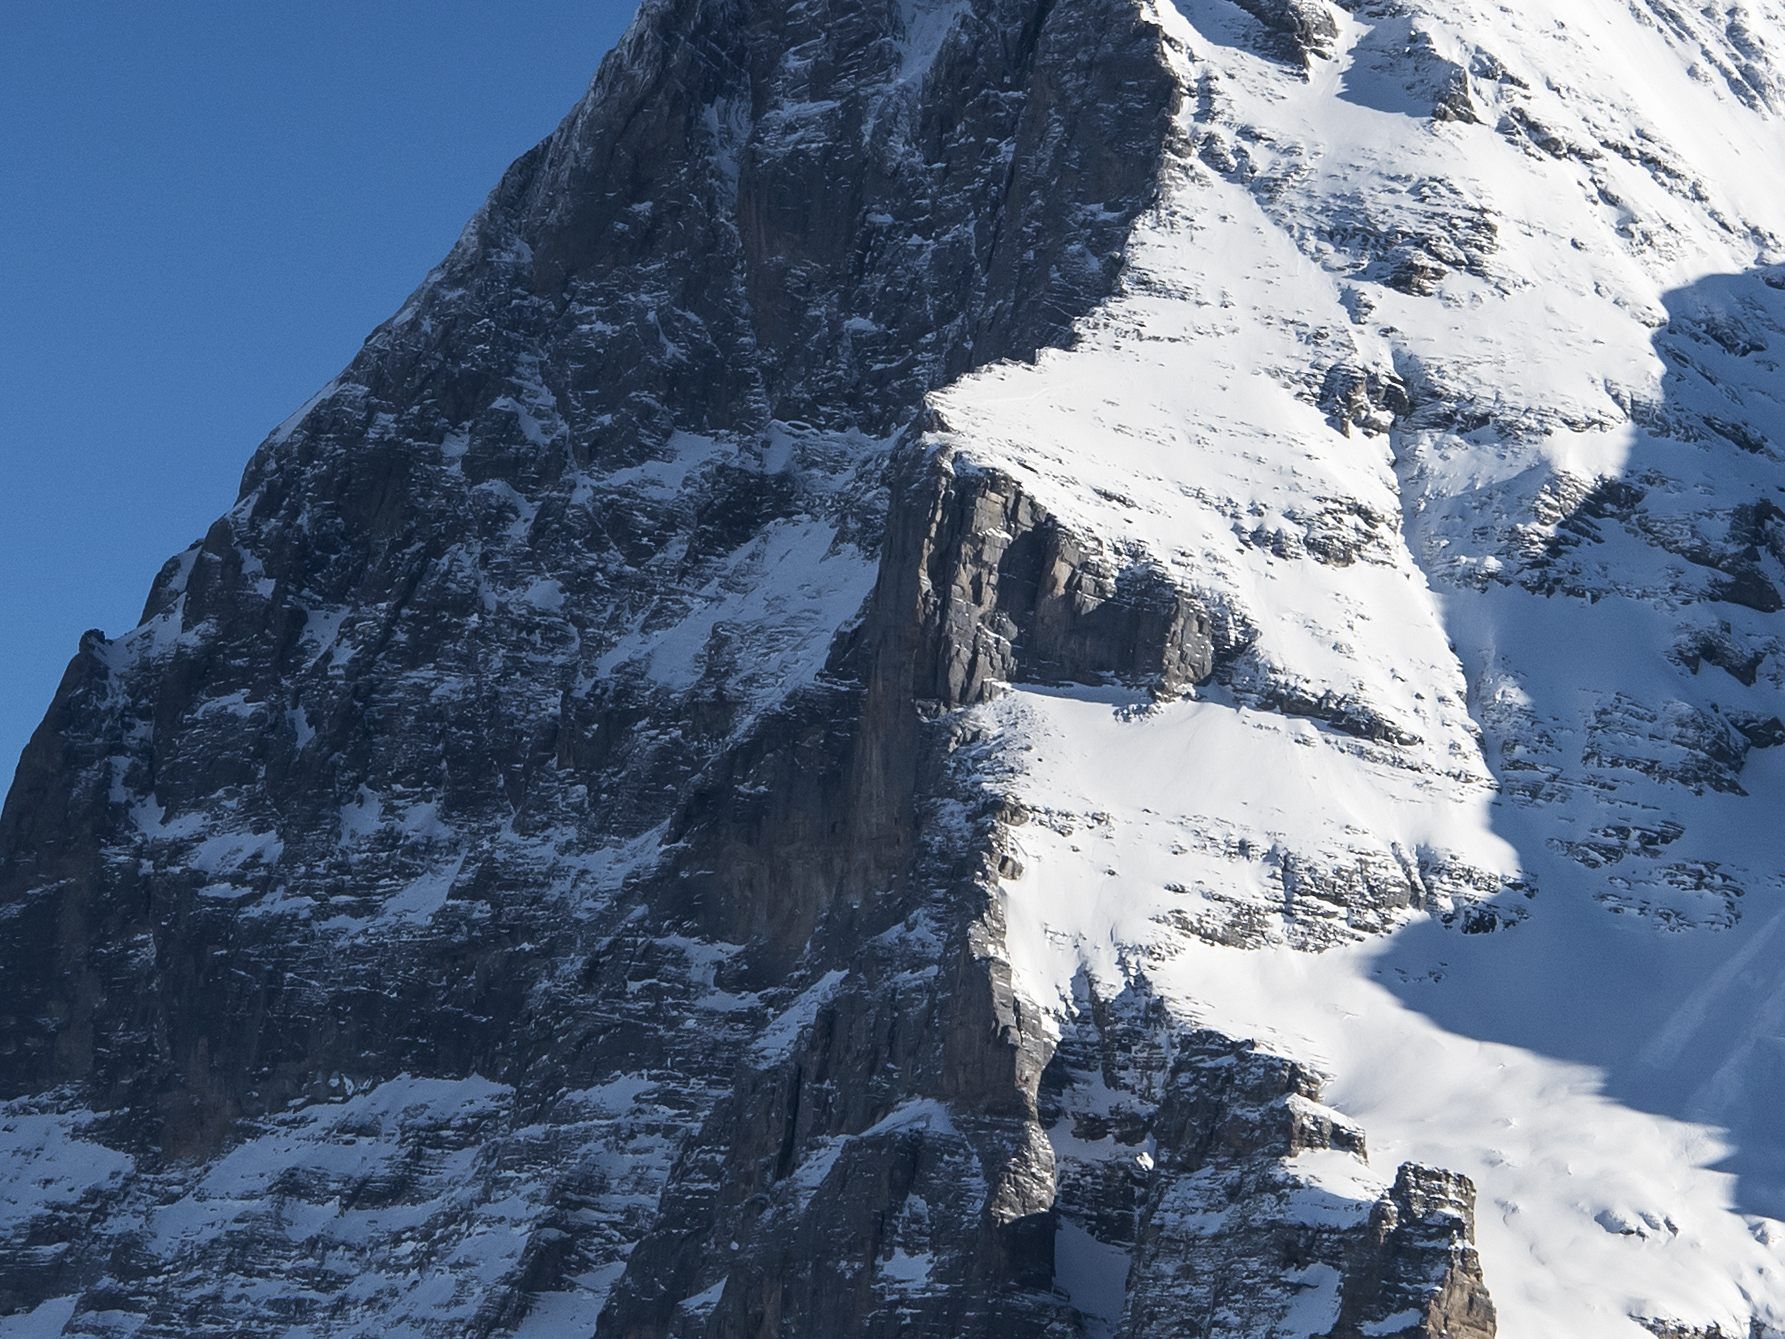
x=207, y=209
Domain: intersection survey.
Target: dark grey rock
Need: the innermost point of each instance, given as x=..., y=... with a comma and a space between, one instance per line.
x=487, y=879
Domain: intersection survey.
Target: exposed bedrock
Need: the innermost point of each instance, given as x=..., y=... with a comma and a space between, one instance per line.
x=575, y=434
x=882, y=1163
x=538, y=845
x=1010, y=595
x=1236, y=1202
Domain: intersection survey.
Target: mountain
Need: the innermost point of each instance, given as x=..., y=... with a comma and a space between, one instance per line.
x=974, y=667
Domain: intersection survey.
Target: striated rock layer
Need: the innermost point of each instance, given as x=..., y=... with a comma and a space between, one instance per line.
x=975, y=667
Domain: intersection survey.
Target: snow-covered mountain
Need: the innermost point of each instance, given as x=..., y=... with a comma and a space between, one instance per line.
x=975, y=667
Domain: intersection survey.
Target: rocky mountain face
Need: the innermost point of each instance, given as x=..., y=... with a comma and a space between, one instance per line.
x=975, y=667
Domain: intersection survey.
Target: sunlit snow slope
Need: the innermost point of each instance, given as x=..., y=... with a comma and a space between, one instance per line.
x=1445, y=374
x=939, y=609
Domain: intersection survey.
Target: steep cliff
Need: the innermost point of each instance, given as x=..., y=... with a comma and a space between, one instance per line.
x=1059, y=667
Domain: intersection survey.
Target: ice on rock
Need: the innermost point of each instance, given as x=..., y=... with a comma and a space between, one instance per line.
x=973, y=667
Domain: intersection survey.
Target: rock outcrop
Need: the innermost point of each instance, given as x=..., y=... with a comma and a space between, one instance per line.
x=928, y=685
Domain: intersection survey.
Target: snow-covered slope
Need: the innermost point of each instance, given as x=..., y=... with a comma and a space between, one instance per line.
x=1469, y=427
x=1090, y=668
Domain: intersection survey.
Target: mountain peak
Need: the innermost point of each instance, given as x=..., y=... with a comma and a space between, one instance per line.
x=973, y=667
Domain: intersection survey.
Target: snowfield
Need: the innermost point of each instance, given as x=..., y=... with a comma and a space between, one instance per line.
x=1590, y=301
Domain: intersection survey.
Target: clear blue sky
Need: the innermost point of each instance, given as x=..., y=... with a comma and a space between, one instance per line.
x=204, y=208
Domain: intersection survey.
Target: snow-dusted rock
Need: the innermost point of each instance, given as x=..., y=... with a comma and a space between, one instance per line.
x=1097, y=668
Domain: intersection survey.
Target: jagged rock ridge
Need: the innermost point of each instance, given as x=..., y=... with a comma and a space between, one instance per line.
x=917, y=693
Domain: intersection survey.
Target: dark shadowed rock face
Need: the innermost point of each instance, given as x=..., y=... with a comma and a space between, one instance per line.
x=429, y=642
x=529, y=868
